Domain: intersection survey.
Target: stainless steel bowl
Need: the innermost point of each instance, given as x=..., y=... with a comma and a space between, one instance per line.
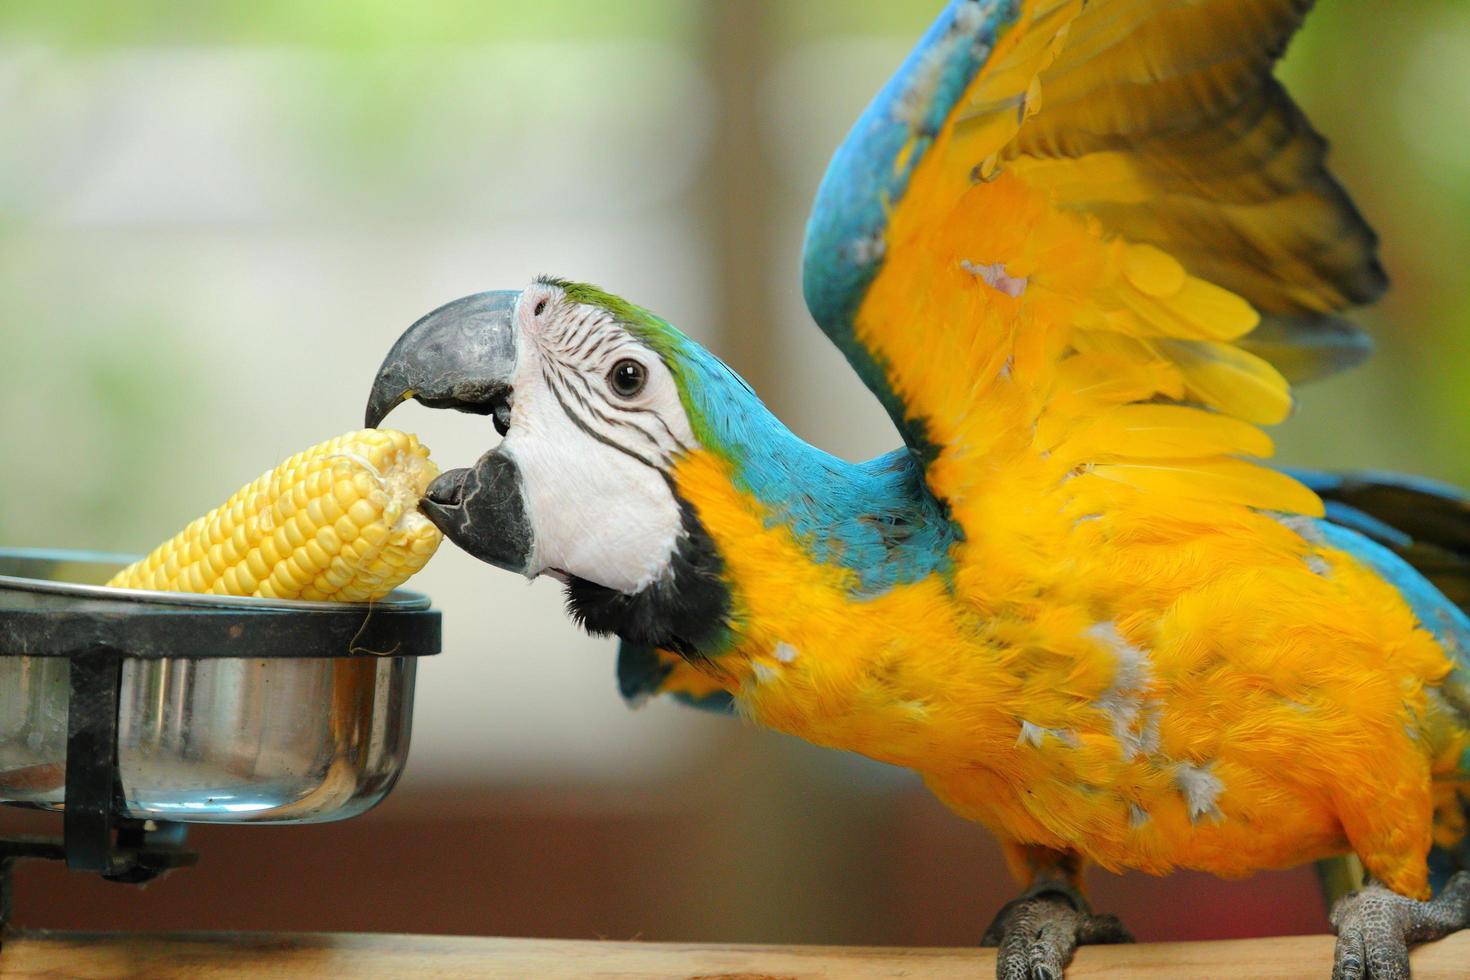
x=208, y=739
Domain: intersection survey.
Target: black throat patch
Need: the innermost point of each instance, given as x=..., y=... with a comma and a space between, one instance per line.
x=686, y=611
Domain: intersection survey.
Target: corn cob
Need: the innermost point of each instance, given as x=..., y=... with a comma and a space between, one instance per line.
x=339, y=522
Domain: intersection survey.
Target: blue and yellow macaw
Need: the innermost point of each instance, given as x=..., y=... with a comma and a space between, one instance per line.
x=1078, y=251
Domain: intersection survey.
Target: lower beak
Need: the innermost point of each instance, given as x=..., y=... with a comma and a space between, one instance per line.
x=482, y=509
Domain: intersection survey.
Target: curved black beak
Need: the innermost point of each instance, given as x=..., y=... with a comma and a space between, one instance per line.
x=461, y=356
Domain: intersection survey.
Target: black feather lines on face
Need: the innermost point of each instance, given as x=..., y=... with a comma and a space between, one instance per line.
x=687, y=610
x=574, y=370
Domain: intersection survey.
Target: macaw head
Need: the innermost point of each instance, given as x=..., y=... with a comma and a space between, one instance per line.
x=596, y=401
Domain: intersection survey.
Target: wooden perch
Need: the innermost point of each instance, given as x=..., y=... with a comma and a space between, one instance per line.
x=210, y=956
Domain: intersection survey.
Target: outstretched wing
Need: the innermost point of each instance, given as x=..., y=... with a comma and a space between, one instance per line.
x=1095, y=236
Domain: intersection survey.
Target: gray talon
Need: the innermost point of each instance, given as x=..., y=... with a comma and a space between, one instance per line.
x=1038, y=932
x=1375, y=928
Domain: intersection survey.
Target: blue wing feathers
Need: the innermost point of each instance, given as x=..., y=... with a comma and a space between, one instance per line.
x=1435, y=612
x=1339, y=483
x=641, y=674
x=1424, y=522
x=844, y=236
x=1355, y=520
x=1413, y=532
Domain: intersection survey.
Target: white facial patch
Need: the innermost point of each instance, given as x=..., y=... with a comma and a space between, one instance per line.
x=592, y=462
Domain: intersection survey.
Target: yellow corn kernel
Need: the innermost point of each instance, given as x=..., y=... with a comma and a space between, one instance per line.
x=339, y=522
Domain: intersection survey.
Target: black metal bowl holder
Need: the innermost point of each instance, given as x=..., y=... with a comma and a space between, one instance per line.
x=96, y=636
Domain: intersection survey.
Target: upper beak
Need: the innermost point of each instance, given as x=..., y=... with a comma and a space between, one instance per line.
x=461, y=356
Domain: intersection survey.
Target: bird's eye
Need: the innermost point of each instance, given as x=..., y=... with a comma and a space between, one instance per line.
x=540, y=308
x=627, y=378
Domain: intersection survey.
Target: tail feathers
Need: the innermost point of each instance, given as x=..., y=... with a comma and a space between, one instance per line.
x=1397, y=521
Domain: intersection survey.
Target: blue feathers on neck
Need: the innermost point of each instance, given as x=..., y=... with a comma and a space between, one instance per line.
x=873, y=518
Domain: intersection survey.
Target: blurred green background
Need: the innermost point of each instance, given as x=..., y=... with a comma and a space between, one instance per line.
x=214, y=220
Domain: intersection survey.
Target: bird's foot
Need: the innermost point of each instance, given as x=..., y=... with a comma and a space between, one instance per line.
x=1375, y=928
x=1037, y=933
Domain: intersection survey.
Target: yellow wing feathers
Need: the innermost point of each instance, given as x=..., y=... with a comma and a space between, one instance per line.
x=1112, y=206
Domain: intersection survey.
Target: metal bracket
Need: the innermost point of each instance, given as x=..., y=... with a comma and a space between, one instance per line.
x=91, y=759
x=93, y=837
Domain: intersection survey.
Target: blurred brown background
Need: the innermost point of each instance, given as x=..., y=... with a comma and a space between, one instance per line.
x=214, y=219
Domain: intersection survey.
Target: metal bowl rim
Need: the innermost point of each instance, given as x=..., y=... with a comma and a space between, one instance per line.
x=399, y=600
